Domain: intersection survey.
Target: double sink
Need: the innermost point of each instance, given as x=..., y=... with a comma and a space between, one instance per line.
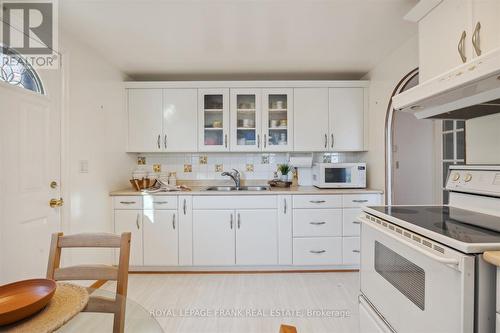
x=234, y=188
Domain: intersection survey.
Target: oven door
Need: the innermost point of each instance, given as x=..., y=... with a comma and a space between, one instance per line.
x=413, y=290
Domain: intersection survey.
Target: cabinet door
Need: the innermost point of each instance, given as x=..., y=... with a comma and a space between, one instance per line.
x=213, y=119
x=180, y=115
x=347, y=119
x=257, y=237
x=213, y=237
x=285, y=229
x=350, y=250
x=486, y=13
x=160, y=238
x=439, y=34
x=246, y=112
x=144, y=120
x=186, y=230
x=310, y=132
x=351, y=226
x=277, y=119
x=131, y=221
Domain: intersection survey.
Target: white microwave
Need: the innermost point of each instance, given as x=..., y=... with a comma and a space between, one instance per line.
x=339, y=175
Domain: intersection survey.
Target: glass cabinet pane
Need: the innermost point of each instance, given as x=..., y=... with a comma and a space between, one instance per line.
x=278, y=120
x=214, y=120
x=246, y=120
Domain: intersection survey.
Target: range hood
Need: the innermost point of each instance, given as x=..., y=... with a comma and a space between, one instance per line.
x=468, y=91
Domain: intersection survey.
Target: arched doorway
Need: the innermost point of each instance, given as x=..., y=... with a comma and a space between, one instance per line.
x=410, y=153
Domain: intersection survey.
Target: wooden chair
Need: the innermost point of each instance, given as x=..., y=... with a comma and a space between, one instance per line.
x=288, y=329
x=95, y=272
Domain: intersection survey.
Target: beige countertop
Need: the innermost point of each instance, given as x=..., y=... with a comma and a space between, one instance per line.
x=200, y=190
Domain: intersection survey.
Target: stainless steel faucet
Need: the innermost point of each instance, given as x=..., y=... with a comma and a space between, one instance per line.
x=235, y=176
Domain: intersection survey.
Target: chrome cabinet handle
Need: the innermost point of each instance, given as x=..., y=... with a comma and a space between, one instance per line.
x=165, y=141
x=184, y=207
x=137, y=221
x=231, y=222
x=239, y=221
x=331, y=145
x=160, y=202
x=326, y=140
x=356, y=222
x=225, y=140
x=284, y=206
x=317, y=252
x=158, y=141
x=355, y=251
x=127, y=202
x=317, y=201
x=173, y=221
x=476, y=41
x=360, y=201
x=317, y=223
x=265, y=140
x=258, y=140
x=461, y=44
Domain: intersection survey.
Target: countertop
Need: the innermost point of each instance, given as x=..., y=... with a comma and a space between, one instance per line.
x=200, y=190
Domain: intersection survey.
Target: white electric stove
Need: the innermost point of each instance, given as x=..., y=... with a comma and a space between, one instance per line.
x=421, y=266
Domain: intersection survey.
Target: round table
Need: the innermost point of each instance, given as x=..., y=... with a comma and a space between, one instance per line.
x=137, y=318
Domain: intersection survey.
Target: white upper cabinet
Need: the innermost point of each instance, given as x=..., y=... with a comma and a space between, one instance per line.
x=277, y=119
x=310, y=119
x=145, y=107
x=347, y=119
x=180, y=114
x=213, y=120
x=486, y=26
x=246, y=114
x=444, y=38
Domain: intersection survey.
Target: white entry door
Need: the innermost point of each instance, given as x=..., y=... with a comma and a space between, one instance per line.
x=30, y=160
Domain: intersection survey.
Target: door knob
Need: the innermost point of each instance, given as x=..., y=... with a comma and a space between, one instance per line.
x=54, y=203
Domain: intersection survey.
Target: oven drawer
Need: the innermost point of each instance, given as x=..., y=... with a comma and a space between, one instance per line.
x=317, y=201
x=127, y=202
x=317, y=251
x=317, y=222
x=360, y=200
x=350, y=250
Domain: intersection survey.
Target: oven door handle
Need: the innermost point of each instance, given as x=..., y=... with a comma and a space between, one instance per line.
x=455, y=263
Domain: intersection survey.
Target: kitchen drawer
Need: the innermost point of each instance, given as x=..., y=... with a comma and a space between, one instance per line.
x=317, y=222
x=360, y=200
x=350, y=250
x=127, y=202
x=351, y=227
x=235, y=202
x=160, y=202
x=317, y=251
x=317, y=201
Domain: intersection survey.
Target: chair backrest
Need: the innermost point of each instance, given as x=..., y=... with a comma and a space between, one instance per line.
x=91, y=272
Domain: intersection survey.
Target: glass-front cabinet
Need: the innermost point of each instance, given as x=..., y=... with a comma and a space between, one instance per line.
x=213, y=119
x=277, y=120
x=246, y=114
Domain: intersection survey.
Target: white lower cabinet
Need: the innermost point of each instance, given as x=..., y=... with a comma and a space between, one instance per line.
x=317, y=222
x=351, y=226
x=130, y=220
x=256, y=237
x=213, y=237
x=350, y=250
x=317, y=251
x=161, y=235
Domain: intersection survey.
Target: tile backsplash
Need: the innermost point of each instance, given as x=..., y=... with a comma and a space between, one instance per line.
x=207, y=166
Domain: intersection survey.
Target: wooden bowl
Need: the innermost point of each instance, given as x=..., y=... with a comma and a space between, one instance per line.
x=21, y=299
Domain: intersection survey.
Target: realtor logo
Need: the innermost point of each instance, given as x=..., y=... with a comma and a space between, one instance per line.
x=30, y=29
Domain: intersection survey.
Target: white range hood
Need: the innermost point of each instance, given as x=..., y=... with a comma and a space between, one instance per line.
x=468, y=91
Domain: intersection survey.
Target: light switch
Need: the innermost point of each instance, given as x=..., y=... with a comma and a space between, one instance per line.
x=84, y=166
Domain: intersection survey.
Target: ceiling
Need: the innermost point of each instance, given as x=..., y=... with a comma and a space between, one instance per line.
x=275, y=39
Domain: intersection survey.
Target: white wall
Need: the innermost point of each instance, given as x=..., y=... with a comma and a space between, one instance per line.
x=483, y=140
x=383, y=79
x=96, y=125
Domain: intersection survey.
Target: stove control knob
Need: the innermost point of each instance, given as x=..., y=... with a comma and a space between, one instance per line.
x=468, y=177
x=455, y=176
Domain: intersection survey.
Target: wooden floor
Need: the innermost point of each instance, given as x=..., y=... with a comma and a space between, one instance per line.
x=263, y=294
